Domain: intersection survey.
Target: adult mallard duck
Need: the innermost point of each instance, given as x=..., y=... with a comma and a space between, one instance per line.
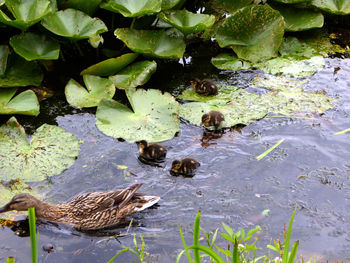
x=204, y=87
x=89, y=211
x=151, y=151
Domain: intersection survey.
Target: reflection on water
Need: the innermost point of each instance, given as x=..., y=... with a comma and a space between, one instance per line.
x=309, y=169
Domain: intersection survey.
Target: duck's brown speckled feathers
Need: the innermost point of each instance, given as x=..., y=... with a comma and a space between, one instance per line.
x=186, y=166
x=89, y=211
x=212, y=119
x=204, y=87
x=151, y=151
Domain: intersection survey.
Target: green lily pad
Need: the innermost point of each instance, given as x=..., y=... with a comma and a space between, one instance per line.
x=96, y=89
x=21, y=73
x=51, y=150
x=14, y=187
x=153, y=116
x=187, y=22
x=4, y=52
x=33, y=46
x=25, y=103
x=225, y=92
x=338, y=7
x=73, y=24
x=134, y=75
x=88, y=7
x=255, y=32
x=133, y=8
x=226, y=61
x=292, y=1
x=110, y=66
x=298, y=19
x=292, y=46
x=231, y=6
x=278, y=83
x=153, y=43
x=25, y=12
x=168, y=4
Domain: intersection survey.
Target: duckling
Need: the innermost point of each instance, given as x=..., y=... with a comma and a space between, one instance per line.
x=212, y=119
x=89, y=211
x=204, y=87
x=186, y=166
x=151, y=151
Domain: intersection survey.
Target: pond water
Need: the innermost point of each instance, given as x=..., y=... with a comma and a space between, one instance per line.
x=310, y=170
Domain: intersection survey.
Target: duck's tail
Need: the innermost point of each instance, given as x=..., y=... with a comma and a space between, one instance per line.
x=145, y=201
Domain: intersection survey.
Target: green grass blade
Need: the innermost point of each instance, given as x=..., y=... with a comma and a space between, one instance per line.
x=286, y=242
x=342, y=132
x=293, y=252
x=197, y=222
x=235, y=254
x=268, y=151
x=33, y=239
x=189, y=259
x=180, y=255
x=119, y=252
x=209, y=252
x=10, y=260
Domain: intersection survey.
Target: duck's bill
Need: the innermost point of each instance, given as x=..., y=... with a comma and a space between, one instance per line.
x=4, y=209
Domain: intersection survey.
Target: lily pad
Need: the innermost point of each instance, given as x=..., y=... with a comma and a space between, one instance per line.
x=153, y=43
x=25, y=103
x=229, y=61
x=25, y=12
x=255, y=32
x=292, y=1
x=187, y=22
x=338, y=7
x=32, y=46
x=4, y=52
x=88, y=7
x=73, y=24
x=153, y=116
x=225, y=92
x=231, y=6
x=133, y=8
x=50, y=151
x=20, y=73
x=168, y=4
x=110, y=66
x=292, y=46
x=96, y=89
x=134, y=75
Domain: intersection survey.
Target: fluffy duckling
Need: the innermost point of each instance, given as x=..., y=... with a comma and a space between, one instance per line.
x=212, y=119
x=186, y=166
x=204, y=87
x=151, y=151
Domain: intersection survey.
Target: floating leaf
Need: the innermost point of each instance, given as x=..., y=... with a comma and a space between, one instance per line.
x=292, y=1
x=33, y=46
x=25, y=103
x=8, y=190
x=153, y=116
x=4, y=52
x=232, y=5
x=168, y=4
x=96, y=40
x=25, y=12
x=73, y=24
x=186, y=21
x=110, y=66
x=133, y=8
x=51, y=151
x=20, y=73
x=96, y=89
x=89, y=7
x=338, y=7
x=225, y=92
x=153, y=43
x=229, y=61
x=254, y=32
x=134, y=75
x=291, y=46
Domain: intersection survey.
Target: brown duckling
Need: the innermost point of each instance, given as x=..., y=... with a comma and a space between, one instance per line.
x=89, y=211
x=151, y=151
x=212, y=119
x=204, y=87
x=186, y=166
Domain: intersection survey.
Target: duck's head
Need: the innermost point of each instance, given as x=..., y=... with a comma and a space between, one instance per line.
x=206, y=119
x=176, y=164
x=142, y=144
x=195, y=82
x=20, y=202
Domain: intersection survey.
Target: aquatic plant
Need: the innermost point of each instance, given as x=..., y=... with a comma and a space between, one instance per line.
x=33, y=237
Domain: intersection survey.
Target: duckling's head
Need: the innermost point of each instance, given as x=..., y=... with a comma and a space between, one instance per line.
x=175, y=166
x=206, y=119
x=195, y=82
x=142, y=144
x=20, y=202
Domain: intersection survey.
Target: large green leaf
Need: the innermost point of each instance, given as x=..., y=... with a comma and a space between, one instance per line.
x=338, y=7
x=110, y=66
x=231, y=6
x=229, y=61
x=25, y=12
x=89, y=7
x=186, y=21
x=153, y=116
x=225, y=92
x=298, y=19
x=4, y=52
x=25, y=103
x=134, y=75
x=20, y=73
x=153, y=43
x=96, y=89
x=168, y=4
x=51, y=151
x=33, y=46
x=73, y=24
x=133, y=8
x=254, y=32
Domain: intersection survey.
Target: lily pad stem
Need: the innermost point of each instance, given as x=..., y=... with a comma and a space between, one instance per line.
x=132, y=23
